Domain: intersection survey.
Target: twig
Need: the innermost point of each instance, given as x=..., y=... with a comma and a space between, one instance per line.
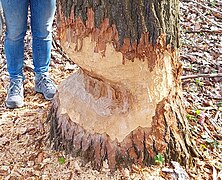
x=216, y=24
x=207, y=130
x=201, y=75
x=206, y=31
x=207, y=7
x=215, y=98
x=216, y=116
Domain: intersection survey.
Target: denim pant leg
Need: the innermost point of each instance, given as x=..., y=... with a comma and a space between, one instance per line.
x=15, y=12
x=42, y=15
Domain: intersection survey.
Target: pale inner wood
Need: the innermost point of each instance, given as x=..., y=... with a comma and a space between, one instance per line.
x=129, y=94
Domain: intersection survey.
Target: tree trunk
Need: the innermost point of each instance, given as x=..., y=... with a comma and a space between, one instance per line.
x=124, y=104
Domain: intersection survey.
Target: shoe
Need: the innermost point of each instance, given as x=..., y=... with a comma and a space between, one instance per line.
x=15, y=94
x=44, y=85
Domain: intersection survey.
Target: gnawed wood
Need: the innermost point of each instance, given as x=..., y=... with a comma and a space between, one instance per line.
x=165, y=136
x=131, y=33
x=124, y=104
x=114, y=93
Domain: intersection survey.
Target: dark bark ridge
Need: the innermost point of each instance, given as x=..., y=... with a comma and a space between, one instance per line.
x=131, y=18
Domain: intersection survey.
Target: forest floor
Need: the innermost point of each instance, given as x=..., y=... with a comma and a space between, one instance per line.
x=25, y=151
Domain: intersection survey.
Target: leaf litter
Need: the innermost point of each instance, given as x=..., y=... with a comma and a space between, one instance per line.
x=25, y=152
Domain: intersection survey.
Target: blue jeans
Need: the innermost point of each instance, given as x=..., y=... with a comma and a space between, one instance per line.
x=42, y=14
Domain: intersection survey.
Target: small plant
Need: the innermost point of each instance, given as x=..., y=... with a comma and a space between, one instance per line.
x=159, y=159
x=220, y=104
x=212, y=142
x=199, y=82
x=191, y=66
x=201, y=33
x=203, y=147
x=198, y=112
x=61, y=160
x=191, y=117
x=213, y=71
x=213, y=3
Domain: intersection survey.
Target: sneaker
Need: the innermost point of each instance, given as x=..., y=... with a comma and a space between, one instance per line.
x=44, y=85
x=15, y=95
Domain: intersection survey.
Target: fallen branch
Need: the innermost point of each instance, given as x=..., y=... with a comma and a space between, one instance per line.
x=201, y=75
x=213, y=22
x=207, y=7
x=206, y=31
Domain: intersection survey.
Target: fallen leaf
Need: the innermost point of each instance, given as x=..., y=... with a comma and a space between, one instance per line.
x=40, y=157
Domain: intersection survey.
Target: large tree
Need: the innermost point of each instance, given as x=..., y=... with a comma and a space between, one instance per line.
x=124, y=104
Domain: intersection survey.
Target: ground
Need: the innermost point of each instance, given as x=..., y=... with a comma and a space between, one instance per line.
x=25, y=151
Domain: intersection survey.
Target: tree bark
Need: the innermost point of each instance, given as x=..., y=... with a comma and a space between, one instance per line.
x=124, y=105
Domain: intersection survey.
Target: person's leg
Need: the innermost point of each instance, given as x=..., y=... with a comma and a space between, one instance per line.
x=15, y=12
x=42, y=15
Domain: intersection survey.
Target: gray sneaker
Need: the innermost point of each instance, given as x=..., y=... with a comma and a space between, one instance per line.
x=44, y=85
x=15, y=94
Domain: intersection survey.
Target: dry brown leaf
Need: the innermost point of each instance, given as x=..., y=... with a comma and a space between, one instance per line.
x=3, y=172
x=218, y=15
x=40, y=157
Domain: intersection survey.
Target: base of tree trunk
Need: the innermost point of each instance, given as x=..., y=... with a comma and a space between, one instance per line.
x=124, y=105
x=167, y=132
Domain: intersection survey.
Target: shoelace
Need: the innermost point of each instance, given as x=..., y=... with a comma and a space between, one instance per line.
x=46, y=82
x=15, y=87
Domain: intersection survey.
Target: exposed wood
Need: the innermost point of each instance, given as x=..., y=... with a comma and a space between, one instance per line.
x=165, y=135
x=124, y=105
x=131, y=26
